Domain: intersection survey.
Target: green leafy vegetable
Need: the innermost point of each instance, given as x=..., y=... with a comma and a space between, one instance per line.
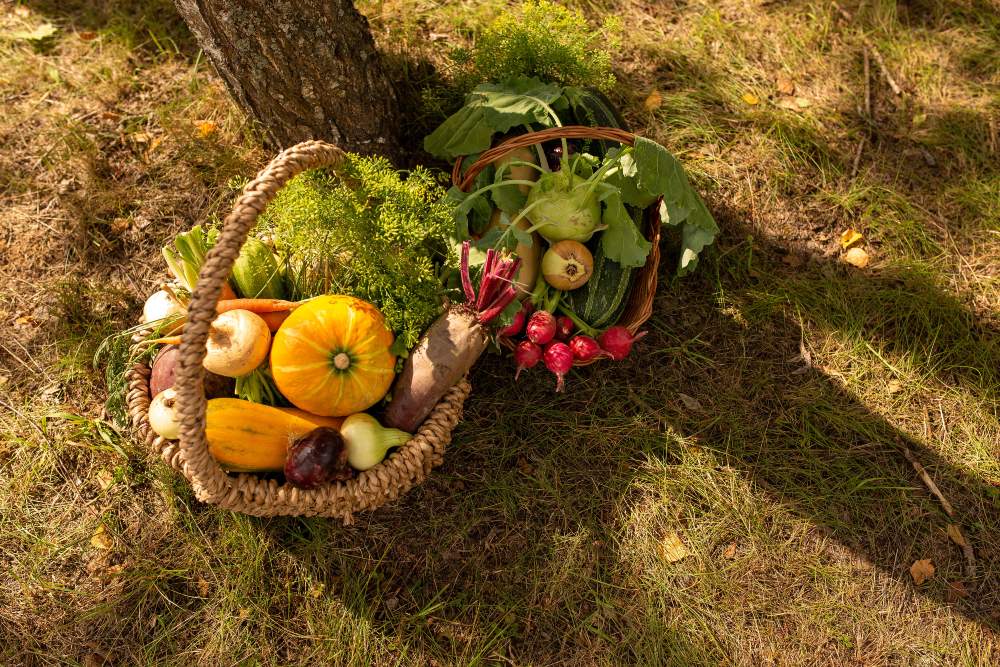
x=369, y=232
x=188, y=254
x=622, y=241
x=493, y=108
x=658, y=173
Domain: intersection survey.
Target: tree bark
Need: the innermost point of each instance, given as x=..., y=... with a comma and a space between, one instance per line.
x=305, y=69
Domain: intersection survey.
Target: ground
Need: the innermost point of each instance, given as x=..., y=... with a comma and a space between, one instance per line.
x=740, y=492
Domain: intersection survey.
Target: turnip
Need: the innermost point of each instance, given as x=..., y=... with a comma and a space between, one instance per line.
x=585, y=348
x=238, y=342
x=452, y=344
x=558, y=359
x=617, y=342
x=163, y=417
x=541, y=327
x=527, y=355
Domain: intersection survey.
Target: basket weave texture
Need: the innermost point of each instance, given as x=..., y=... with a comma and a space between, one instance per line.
x=639, y=307
x=247, y=493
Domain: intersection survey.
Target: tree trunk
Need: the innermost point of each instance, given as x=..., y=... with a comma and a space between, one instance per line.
x=305, y=69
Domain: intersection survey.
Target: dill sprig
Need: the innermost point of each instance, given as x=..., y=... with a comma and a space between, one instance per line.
x=368, y=231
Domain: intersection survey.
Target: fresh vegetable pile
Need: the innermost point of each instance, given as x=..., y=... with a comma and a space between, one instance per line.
x=364, y=294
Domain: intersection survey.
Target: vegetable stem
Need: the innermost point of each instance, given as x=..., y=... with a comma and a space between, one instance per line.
x=580, y=324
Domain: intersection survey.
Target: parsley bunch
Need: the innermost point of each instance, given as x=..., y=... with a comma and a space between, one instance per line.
x=547, y=41
x=369, y=232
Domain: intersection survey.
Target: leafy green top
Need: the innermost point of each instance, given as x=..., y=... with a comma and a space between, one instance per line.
x=369, y=232
x=545, y=40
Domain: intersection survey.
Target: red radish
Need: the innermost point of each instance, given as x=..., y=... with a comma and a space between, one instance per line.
x=559, y=360
x=515, y=327
x=564, y=327
x=541, y=327
x=617, y=342
x=585, y=348
x=527, y=355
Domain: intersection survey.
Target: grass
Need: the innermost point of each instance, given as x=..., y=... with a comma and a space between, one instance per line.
x=544, y=537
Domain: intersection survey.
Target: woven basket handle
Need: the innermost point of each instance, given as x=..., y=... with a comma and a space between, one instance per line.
x=505, y=148
x=209, y=481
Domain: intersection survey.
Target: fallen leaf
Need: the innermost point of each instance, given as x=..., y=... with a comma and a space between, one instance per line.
x=894, y=387
x=44, y=31
x=690, y=402
x=22, y=11
x=785, y=85
x=87, y=35
x=672, y=548
x=856, y=257
x=4, y=379
x=955, y=533
x=730, y=551
x=787, y=103
x=802, y=102
x=105, y=479
x=244, y=612
x=141, y=137
x=955, y=591
x=202, y=587
x=653, y=101
x=921, y=571
x=317, y=591
x=206, y=128
x=849, y=237
x=23, y=320
x=100, y=539
x=751, y=99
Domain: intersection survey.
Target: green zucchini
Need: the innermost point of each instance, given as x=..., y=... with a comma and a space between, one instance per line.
x=256, y=272
x=601, y=301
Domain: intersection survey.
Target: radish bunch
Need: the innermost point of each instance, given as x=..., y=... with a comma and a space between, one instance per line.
x=550, y=340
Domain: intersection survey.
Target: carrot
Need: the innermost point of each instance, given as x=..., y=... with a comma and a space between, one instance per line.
x=227, y=293
x=256, y=305
x=275, y=319
x=166, y=340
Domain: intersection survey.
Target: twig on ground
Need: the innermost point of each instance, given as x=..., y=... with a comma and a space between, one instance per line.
x=956, y=536
x=929, y=483
x=875, y=53
x=868, y=85
x=857, y=156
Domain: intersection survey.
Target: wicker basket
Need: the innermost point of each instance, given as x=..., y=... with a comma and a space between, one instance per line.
x=248, y=493
x=639, y=306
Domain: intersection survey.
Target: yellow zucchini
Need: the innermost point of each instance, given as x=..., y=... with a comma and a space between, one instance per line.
x=250, y=437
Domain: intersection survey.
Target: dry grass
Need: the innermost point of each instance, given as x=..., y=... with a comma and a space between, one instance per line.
x=542, y=539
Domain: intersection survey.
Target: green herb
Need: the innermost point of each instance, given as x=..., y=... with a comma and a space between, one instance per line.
x=369, y=232
x=545, y=40
x=258, y=387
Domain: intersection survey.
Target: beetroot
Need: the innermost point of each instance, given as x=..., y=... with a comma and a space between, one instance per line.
x=617, y=342
x=585, y=348
x=541, y=327
x=559, y=359
x=564, y=327
x=527, y=355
